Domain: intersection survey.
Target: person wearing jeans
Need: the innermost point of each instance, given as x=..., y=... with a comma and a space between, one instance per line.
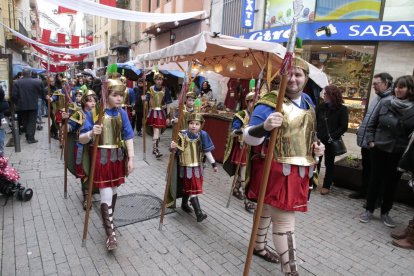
x=387, y=136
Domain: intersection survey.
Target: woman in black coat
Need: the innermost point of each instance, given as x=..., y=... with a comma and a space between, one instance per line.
x=332, y=120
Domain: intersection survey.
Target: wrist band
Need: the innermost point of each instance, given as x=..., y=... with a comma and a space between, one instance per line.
x=257, y=131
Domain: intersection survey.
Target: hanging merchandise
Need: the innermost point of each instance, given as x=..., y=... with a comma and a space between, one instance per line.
x=93, y=8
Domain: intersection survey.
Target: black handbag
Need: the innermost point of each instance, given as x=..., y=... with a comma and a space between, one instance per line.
x=337, y=145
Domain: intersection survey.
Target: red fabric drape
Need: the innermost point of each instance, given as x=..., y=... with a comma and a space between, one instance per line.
x=61, y=37
x=60, y=57
x=65, y=10
x=75, y=41
x=111, y=3
x=55, y=68
x=46, y=35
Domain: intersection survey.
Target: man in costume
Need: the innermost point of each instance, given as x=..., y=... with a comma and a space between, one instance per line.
x=192, y=144
x=236, y=150
x=158, y=97
x=114, y=159
x=291, y=167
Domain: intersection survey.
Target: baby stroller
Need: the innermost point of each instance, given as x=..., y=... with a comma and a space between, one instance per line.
x=9, y=185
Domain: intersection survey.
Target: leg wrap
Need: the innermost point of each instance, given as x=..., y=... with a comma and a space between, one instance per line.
x=262, y=229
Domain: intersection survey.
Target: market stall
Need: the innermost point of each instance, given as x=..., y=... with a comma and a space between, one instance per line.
x=223, y=57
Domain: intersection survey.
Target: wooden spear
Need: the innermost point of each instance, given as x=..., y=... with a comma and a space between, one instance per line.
x=176, y=129
x=256, y=96
x=284, y=71
x=65, y=144
x=92, y=166
x=144, y=117
x=48, y=101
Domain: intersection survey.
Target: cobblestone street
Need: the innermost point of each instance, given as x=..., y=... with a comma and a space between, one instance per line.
x=43, y=236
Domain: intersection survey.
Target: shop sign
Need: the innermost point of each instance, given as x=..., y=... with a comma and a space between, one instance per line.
x=333, y=30
x=248, y=14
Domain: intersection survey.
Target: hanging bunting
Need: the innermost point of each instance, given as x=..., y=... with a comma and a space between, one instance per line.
x=93, y=8
x=75, y=41
x=62, y=10
x=111, y=3
x=85, y=50
x=61, y=38
x=60, y=57
x=46, y=34
x=55, y=68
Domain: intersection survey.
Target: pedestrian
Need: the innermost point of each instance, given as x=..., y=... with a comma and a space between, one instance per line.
x=382, y=84
x=236, y=151
x=4, y=105
x=291, y=167
x=139, y=106
x=190, y=97
x=192, y=144
x=159, y=98
x=205, y=91
x=113, y=161
x=26, y=92
x=332, y=123
x=387, y=137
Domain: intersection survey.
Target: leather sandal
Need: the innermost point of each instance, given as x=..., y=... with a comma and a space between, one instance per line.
x=238, y=194
x=268, y=256
x=249, y=206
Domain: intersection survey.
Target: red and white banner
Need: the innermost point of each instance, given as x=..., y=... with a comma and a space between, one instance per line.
x=60, y=57
x=111, y=3
x=61, y=38
x=65, y=10
x=55, y=68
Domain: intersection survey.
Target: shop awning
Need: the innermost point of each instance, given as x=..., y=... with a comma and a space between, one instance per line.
x=209, y=49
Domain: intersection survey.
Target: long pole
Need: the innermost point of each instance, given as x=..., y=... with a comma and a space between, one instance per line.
x=48, y=102
x=65, y=144
x=256, y=96
x=284, y=71
x=92, y=167
x=176, y=129
x=144, y=117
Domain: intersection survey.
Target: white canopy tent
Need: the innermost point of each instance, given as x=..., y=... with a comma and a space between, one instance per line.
x=210, y=50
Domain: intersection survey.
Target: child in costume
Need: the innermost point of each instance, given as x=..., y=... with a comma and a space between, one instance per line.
x=158, y=97
x=236, y=151
x=76, y=122
x=192, y=144
x=113, y=161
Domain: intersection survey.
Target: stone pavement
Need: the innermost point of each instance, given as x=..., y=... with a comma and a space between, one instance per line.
x=43, y=236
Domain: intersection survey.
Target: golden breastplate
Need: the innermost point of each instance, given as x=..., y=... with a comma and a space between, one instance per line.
x=125, y=102
x=191, y=155
x=111, y=132
x=295, y=137
x=156, y=98
x=60, y=102
x=184, y=119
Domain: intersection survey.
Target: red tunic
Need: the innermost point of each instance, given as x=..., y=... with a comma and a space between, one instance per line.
x=237, y=152
x=289, y=193
x=110, y=174
x=193, y=185
x=159, y=122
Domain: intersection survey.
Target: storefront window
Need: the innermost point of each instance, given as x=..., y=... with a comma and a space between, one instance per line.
x=347, y=9
x=280, y=12
x=350, y=68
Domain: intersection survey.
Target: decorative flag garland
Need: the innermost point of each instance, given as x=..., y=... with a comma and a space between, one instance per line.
x=85, y=50
x=93, y=8
x=60, y=57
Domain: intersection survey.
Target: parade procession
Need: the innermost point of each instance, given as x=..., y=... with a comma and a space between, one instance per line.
x=225, y=137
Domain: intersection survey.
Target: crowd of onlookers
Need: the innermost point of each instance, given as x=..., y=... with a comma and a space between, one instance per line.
x=384, y=137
